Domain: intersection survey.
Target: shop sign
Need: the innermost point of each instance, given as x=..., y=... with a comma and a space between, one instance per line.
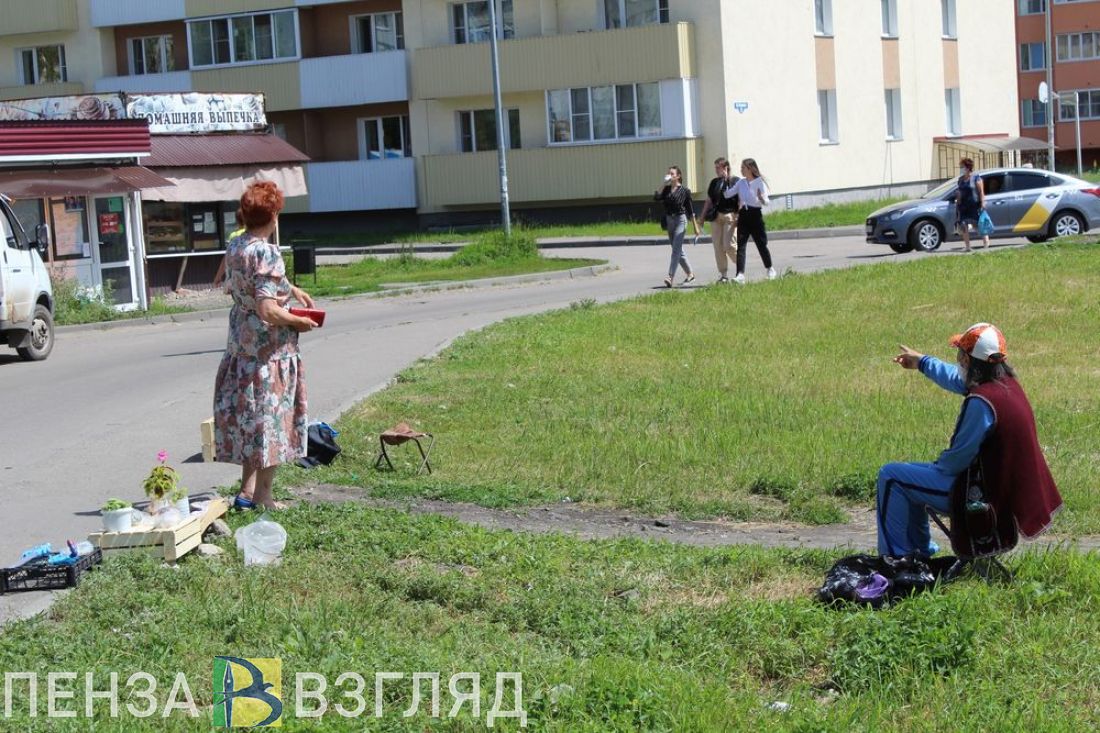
x=198, y=112
x=168, y=114
x=78, y=107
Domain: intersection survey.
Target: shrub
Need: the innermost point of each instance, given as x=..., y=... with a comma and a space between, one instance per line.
x=74, y=303
x=497, y=247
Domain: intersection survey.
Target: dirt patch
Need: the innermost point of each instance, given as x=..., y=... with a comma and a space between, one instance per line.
x=586, y=522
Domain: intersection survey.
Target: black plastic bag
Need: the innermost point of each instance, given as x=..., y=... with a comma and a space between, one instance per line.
x=321, y=448
x=874, y=581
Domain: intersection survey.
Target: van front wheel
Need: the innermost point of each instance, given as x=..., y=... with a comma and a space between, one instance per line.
x=41, y=336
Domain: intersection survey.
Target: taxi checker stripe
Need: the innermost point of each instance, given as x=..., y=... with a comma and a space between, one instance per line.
x=1039, y=213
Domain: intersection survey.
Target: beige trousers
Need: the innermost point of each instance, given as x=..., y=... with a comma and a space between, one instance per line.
x=721, y=235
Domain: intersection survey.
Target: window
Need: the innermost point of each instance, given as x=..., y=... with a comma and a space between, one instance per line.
x=378, y=32
x=470, y=21
x=1027, y=181
x=826, y=106
x=950, y=23
x=1088, y=99
x=629, y=13
x=240, y=39
x=1033, y=113
x=42, y=65
x=477, y=130
x=823, y=17
x=385, y=138
x=1032, y=56
x=1078, y=46
x=890, y=18
x=953, y=111
x=1032, y=7
x=151, y=55
x=893, y=114
x=604, y=113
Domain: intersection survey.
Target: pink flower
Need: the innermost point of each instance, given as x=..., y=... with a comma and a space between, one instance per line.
x=162, y=456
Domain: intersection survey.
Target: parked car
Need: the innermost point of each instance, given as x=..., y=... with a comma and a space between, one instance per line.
x=26, y=296
x=1022, y=202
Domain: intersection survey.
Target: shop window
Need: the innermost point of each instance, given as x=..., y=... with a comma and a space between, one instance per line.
x=238, y=39
x=151, y=55
x=68, y=228
x=477, y=130
x=164, y=231
x=378, y=32
x=203, y=226
x=608, y=113
x=42, y=65
x=470, y=21
x=384, y=137
x=630, y=13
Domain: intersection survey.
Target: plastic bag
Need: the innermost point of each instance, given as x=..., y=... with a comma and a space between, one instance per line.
x=321, y=446
x=985, y=224
x=874, y=581
x=262, y=542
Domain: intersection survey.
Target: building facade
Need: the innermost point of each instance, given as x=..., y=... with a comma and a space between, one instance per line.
x=1075, y=39
x=392, y=99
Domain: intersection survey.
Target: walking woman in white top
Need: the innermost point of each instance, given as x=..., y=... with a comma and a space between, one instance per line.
x=753, y=192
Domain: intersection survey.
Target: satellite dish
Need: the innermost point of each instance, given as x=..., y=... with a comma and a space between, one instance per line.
x=1044, y=92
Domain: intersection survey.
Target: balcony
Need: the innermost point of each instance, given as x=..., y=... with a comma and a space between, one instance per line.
x=646, y=53
x=108, y=13
x=360, y=185
x=361, y=78
x=173, y=81
x=279, y=81
x=575, y=172
x=39, y=16
x=29, y=91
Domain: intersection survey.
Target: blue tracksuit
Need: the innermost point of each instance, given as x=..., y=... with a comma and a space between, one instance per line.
x=904, y=489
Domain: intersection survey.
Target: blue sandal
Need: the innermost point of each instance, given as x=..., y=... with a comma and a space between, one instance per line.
x=239, y=502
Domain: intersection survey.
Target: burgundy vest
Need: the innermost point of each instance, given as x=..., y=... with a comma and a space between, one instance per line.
x=1012, y=469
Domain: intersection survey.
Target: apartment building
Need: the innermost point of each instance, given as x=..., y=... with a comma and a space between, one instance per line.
x=1075, y=38
x=392, y=99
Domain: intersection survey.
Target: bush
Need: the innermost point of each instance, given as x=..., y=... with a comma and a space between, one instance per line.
x=74, y=303
x=497, y=247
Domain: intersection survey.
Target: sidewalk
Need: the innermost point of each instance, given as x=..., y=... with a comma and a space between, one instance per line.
x=577, y=242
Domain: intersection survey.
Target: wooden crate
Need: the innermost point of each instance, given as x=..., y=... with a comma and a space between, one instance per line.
x=206, y=433
x=171, y=543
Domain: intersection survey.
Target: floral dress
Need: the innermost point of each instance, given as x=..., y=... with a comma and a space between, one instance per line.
x=260, y=392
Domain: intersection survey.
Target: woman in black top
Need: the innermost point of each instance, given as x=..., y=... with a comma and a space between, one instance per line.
x=678, y=206
x=721, y=212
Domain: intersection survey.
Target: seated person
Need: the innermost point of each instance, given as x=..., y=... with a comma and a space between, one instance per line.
x=995, y=426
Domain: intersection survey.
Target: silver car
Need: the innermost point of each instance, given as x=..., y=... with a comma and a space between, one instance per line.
x=1022, y=202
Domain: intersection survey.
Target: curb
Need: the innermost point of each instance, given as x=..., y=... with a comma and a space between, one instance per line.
x=219, y=313
x=578, y=242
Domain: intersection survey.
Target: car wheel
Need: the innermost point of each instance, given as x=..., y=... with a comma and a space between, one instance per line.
x=901, y=247
x=1066, y=224
x=926, y=235
x=1037, y=238
x=41, y=337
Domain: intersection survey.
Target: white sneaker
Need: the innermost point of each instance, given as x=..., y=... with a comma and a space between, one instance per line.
x=771, y=273
x=739, y=278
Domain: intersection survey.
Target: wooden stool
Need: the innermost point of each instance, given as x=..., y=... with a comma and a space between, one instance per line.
x=399, y=434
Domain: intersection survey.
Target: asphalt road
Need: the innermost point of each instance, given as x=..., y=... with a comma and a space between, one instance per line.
x=87, y=423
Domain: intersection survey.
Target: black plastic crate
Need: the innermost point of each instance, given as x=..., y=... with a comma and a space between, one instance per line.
x=38, y=575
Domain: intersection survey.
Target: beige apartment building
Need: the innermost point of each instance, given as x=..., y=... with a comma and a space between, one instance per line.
x=392, y=99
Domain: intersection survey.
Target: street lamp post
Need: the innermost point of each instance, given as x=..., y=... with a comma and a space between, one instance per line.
x=1050, y=85
x=502, y=151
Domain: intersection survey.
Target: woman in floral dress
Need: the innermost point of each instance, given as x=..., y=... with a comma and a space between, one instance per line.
x=260, y=392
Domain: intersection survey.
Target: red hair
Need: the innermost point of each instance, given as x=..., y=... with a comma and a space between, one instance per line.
x=260, y=204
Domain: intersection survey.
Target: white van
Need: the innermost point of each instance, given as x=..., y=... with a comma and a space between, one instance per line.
x=26, y=297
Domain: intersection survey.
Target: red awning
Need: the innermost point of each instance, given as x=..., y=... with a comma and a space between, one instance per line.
x=58, y=140
x=32, y=184
x=169, y=151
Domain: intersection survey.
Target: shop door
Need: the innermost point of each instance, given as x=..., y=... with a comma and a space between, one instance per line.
x=113, y=251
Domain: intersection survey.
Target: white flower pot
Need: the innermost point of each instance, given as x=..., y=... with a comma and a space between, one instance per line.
x=118, y=520
x=184, y=505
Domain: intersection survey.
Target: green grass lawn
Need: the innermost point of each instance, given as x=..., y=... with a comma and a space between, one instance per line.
x=831, y=215
x=608, y=635
x=775, y=400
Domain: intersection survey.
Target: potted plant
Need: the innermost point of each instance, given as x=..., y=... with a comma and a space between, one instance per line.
x=178, y=497
x=117, y=515
x=161, y=483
